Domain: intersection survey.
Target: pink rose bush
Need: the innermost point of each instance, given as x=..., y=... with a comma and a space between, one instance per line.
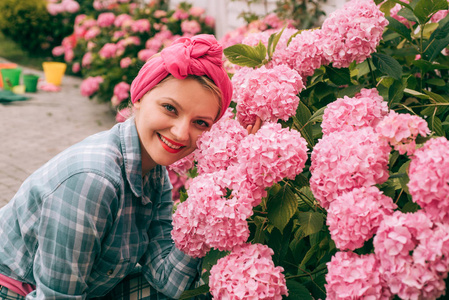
x=247, y=273
x=353, y=276
x=91, y=85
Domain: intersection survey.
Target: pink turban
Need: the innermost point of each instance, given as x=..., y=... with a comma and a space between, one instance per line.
x=198, y=55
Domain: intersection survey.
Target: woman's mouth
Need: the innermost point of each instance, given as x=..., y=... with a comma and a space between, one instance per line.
x=170, y=145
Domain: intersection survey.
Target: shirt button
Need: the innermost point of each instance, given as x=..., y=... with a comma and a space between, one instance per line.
x=109, y=273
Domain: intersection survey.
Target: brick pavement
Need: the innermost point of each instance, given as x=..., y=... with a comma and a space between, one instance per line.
x=35, y=130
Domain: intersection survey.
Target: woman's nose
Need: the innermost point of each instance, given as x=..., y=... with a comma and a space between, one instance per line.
x=180, y=130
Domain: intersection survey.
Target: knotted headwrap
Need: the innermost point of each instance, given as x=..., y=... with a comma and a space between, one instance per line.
x=198, y=55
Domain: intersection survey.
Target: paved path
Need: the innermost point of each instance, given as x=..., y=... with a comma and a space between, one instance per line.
x=33, y=131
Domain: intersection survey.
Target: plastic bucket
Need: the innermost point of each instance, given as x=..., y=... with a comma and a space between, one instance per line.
x=54, y=71
x=6, y=66
x=10, y=77
x=30, y=82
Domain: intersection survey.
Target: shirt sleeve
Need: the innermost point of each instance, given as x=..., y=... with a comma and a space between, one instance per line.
x=168, y=269
x=73, y=220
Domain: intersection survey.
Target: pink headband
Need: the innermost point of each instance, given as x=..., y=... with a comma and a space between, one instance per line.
x=198, y=55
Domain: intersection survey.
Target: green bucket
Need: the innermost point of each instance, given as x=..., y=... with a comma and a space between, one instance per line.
x=11, y=77
x=30, y=82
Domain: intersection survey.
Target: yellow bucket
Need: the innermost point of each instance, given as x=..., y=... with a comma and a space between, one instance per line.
x=54, y=71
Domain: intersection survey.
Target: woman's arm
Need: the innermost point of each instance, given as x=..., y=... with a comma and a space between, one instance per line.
x=74, y=218
x=168, y=270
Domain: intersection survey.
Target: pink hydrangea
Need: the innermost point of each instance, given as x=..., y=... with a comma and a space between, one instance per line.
x=122, y=19
x=394, y=14
x=439, y=15
x=76, y=67
x=70, y=6
x=92, y=32
x=429, y=178
x=121, y=90
x=342, y=161
x=248, y=272
x=146, y=54
x=125, y=62
x=196, y=11
x=109, y=50
x=353, y=217
x=106, y=19
x=271, y=154
x=413, y=254
x=217, y=147
x=190, y=27
x=352, y=33
x=90, y=85
x=353, y=276
x=58, y=51
x=401, y=130
x=208, y=219
x=141, y=25
x=183, y=165
x=348, y=114
x=87, y=59
x=270, y=94
x=304, y=53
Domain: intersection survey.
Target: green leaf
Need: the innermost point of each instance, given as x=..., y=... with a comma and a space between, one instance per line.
x=279, y=242
x=317, y=116
x=395, y=93
x=247, y=56
x=410, y=207
x=282, y=207
x=349, y=91
x=302, y=124
x=387, y=64
x=297, y=291
x=426, y=8
x=416, y=94
x=400, y=28
x=403, y=4
x=436, y=126
x=404, y=179
x=310, y=222
x=436, y=81
x=273, y=41
x=338, y=76
x=210, y=260
x=438, y=40
x=436, y=97
x=408, y=14
x=310, y=253
x=196, y=292
x=259, y=236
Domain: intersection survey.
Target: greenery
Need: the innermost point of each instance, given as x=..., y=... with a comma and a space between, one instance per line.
x=11, y=51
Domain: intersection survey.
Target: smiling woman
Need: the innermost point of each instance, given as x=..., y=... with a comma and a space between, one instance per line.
x=96, y=220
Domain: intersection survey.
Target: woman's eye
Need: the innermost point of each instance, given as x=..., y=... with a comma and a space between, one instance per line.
x=169, y=107
x=202, y=123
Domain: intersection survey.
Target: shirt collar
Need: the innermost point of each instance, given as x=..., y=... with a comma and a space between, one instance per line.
x=133, y=161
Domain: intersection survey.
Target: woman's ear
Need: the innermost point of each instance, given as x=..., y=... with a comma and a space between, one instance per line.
x=136, y=104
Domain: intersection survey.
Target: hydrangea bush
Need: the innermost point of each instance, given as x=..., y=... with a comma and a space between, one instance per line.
x=343, y=192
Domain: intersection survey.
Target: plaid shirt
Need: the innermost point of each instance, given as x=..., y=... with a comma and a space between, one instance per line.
x=81, y=223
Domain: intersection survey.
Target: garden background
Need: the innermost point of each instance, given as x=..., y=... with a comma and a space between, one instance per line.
x=350, y=192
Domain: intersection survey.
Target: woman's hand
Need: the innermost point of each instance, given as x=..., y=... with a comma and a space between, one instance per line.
x=253, y=128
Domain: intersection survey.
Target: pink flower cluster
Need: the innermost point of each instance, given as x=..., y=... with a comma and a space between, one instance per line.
x=209, y=219
x=429, y=179
x=90, y=85
x=342, y=161
x=271, y=154
x=121, y=92
x=413, y=254
x=353, y=217
x=352, y=33
x=270, y=94
x=367, y=108
x=69, y=6
x=353, y=276
x=183, y=165
x=221, y=198
x=217, y=148
x=401, y=130
x=247, y=273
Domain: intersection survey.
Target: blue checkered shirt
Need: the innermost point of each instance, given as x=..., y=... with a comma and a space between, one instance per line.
x=81, y=223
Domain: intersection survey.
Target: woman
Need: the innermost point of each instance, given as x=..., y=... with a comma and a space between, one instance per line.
x=101, y=210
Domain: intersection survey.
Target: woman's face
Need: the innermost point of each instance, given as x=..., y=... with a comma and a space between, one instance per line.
x=170, y=118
